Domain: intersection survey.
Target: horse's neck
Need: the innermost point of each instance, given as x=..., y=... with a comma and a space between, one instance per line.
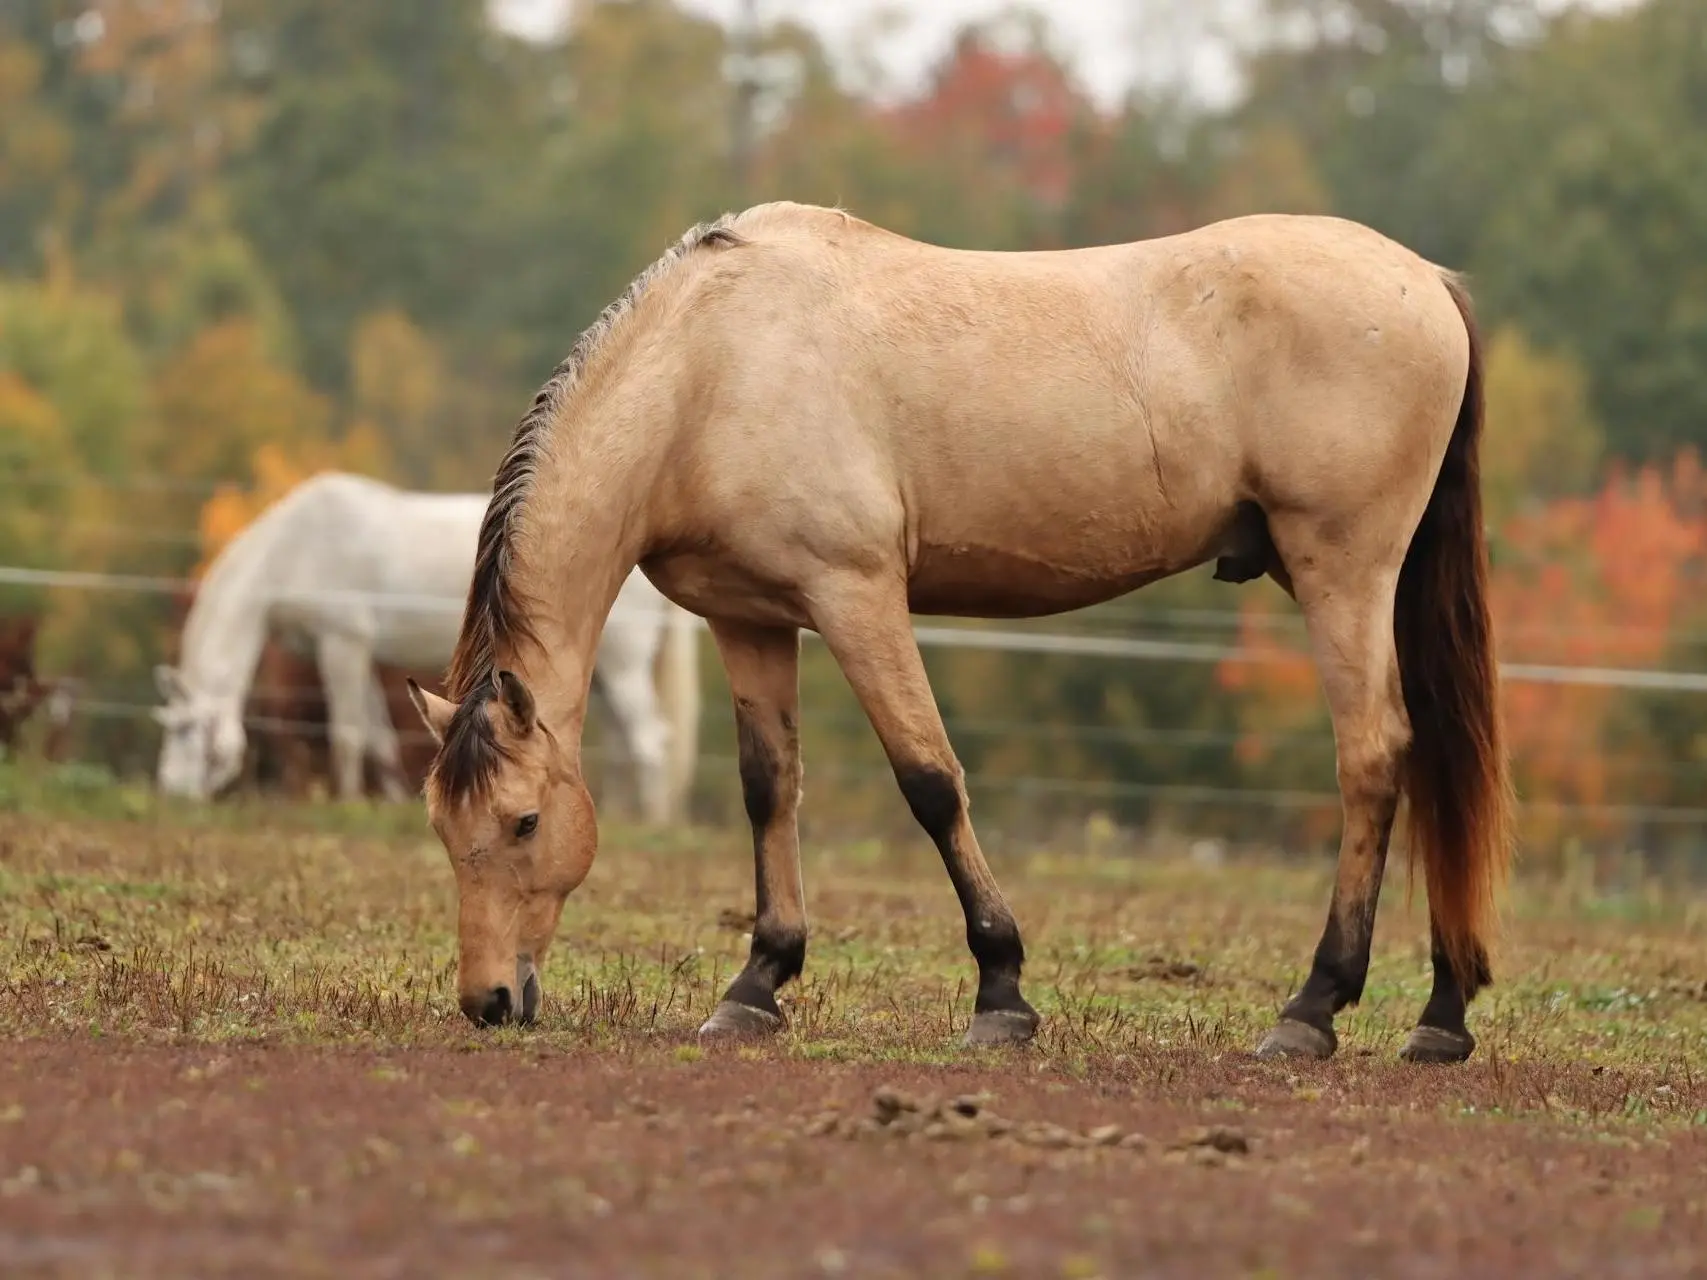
x=585, y=537
x=227, y=626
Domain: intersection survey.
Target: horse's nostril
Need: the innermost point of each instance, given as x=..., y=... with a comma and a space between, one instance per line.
x=489, y=1010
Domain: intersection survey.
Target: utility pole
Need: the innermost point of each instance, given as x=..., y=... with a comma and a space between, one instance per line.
x=743, y=124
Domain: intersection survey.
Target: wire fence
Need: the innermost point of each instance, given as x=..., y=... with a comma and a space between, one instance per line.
x=1208, y=801
x=1135, y=648
x=1127, y=631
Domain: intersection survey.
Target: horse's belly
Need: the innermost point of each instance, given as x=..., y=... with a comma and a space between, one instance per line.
x=994, y=582
x=418, y=638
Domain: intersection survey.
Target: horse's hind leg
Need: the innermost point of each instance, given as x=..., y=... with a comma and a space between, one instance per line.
x=1348, y=608
x=763, y=667
x=868, y=629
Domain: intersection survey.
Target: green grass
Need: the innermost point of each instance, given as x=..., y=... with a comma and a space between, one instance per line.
x=120, y=916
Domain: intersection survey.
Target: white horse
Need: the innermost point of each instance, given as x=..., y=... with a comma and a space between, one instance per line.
x=354, y=571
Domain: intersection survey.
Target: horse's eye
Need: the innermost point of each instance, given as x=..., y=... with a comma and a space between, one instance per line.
x=526, y=825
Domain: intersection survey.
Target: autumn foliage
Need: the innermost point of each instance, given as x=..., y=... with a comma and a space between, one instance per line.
x=1012, y=107
x=277, y=469
x=1604, y=581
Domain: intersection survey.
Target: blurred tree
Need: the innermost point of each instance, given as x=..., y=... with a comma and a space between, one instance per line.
x=159, y=67
x=1542, y=441
x=1593, y=233
x=33, y=445
x=69, y=344
x=387, y=134
x=1368, y=88
x=931, y=167
x=222, y=397
x=634, y=151
x=181, y=279
x=1006, y=102
x=398, y=388
x=1130, y=183
x=1602, y=581
x=35, y=155
x=78, y=411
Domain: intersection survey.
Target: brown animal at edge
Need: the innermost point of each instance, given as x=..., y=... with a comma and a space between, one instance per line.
x=797, y=419
x=23, y=692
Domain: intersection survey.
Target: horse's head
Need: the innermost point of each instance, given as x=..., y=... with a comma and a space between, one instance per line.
x=516, y=819
x=202, y=746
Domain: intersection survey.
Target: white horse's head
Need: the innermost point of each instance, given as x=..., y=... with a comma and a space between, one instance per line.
x=201, y=749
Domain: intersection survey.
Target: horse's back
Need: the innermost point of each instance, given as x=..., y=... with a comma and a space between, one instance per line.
x=345, y=544
x=1211, y=340
x=1054, y=427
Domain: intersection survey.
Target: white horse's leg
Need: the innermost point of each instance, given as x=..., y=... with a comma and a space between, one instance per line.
x=346, y=667
x=616, y=769
x=382, y=743
x=627, y=681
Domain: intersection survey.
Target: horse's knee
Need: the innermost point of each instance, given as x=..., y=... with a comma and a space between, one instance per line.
x=347, y=741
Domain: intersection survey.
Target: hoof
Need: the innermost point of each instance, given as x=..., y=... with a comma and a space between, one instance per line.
x=1432, y=1044
x=1292, y=1039
x=1001, y=1026
x=739, y=1021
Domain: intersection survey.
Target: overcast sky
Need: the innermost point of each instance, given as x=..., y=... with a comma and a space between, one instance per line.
x=1100, y=37
x=1097, y=35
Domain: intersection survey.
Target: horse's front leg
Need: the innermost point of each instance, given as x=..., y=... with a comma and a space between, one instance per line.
x=381, y=741
x=763, y=664
x=346, y=666
x=867, y=626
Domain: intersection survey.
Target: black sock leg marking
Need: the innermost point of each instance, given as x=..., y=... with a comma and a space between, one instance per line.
x=776, y=957
x=1337, y=975
x=758, y=767
x=933, y=794
x=1441, y=1034
x=778, y=952
x=1337, y=972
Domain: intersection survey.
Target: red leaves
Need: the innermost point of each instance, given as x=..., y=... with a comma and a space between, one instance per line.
x=1014, y=107
x=1609, y=580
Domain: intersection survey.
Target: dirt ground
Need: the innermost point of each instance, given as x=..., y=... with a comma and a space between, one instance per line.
x=137, y=1159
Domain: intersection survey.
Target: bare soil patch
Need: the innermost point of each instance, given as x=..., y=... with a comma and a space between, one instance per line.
x=140, y=1159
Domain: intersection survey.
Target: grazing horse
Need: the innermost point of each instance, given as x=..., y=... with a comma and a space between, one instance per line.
x=797, y=419
x=356, y=571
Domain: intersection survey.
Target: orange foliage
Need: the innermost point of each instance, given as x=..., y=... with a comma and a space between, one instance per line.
x=1600, y=581
x=1603, y=581
x=1013, y=106
x=1277, y=678
x=277, y=470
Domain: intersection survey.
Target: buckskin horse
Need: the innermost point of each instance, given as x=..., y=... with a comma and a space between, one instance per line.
x=798, y=419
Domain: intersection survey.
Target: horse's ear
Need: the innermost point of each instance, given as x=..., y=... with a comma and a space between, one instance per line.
x=170, y=683
x=517, y=700
x=435, y=712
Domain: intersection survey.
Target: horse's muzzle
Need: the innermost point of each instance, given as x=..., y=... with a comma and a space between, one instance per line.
x=488, y=1008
